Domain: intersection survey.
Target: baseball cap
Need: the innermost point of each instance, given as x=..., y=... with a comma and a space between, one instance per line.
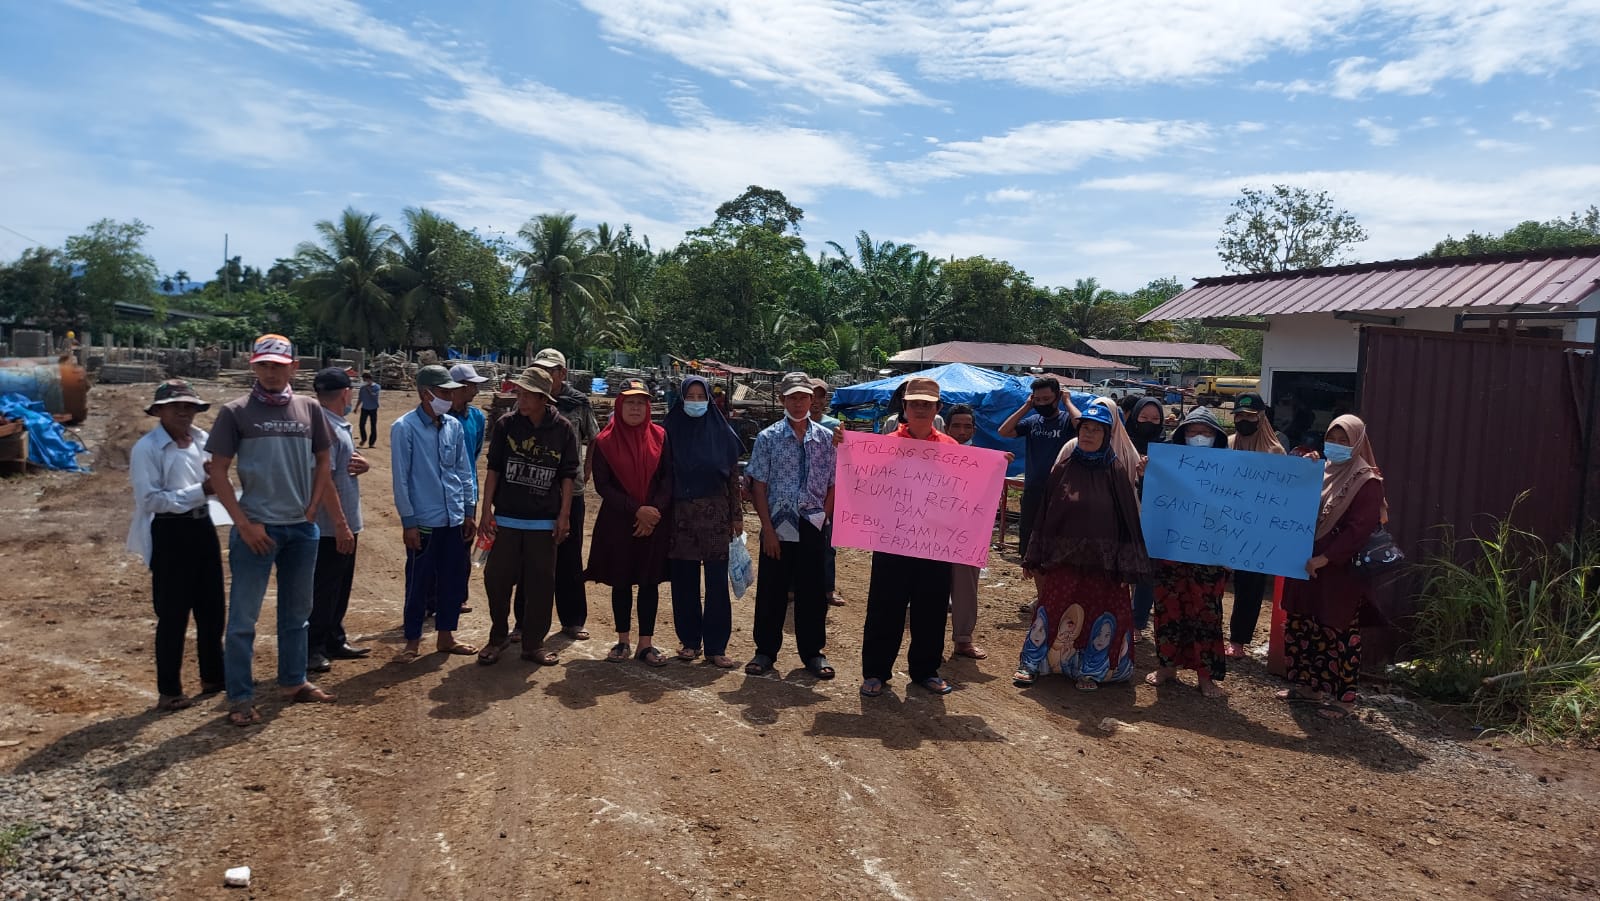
x=921, y=388
x=331, y=379
x=436, y=376
x=535, y=379
x=793, y=383
x=822, y=384
x=465, y=373
x=1250, y=402
x=175, y=391
x=272, y=349
x=550, y=358
x=635, y=387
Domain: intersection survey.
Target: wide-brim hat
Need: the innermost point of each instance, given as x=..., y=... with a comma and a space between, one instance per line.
x=535, y=379
x=175, y=391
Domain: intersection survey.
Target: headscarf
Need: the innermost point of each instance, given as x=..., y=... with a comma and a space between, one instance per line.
x=1206, y=418
x=1133, y=416
x=705, y=449
x=632, y=452
x=1265, y=440
x=1341, y=482
x=1117, y=441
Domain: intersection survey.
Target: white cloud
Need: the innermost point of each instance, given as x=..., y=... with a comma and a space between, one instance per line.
x=1543, y=123
x=129, y=12
x=1378, y=135
x=956, y=245
x=1499, y=146
x=1053, y=147
x=1010, y=195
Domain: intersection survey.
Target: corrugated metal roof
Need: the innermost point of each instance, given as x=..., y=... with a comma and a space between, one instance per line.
x=1538, y=279
x=980, y=353
x=1172, y=350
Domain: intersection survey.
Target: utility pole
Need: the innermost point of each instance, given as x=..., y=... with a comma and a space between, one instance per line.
x=227, y=286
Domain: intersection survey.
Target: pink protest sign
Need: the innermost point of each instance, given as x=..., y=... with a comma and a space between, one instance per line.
x=916, y=498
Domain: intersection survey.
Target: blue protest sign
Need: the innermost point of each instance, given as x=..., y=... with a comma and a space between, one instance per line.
x=1239, y=509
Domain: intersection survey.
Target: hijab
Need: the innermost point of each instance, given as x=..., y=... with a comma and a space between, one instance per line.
x=705, y=449
x=1265, y=440
x=1117, y=442
x=1204, y=417
x=1142, y=445
x=1341, y=482
x=632, y=452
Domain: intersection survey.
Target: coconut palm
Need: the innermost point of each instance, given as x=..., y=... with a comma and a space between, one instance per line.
x=347, y=273
x=428, y=284
x=562, y=261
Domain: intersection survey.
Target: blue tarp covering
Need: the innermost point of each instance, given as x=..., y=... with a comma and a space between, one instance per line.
x=454, y=354
x=597, y=386
x=48, y=444
x=994, y=395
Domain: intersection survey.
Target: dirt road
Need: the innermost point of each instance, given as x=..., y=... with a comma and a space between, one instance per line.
x=592, y=779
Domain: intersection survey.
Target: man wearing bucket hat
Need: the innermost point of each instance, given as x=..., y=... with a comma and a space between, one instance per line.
x=282, y=444
x=436, y=498
x=572, y=605
x=791, y=483
x=172, y=531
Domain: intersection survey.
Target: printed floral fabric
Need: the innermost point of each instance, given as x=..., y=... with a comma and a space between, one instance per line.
x=1083, y=628
x=1321, y=658
x=1188, y=617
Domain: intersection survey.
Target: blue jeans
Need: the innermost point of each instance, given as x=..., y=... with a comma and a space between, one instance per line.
x=715, y=624
x=294, y=550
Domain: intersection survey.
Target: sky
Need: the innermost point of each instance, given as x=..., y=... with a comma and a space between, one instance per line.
x=1074, y=138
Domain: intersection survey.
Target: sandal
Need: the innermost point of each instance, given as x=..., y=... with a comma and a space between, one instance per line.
x=543, y=658
x=1334, y=713
x=169, y=703
x=211, y=688
x=576, y=633
x=459, y=649
x=1023, y=678
x=871, y=688
x=1234, y=651
x=652, y=656
x=723, y=661
x=515, y=637
x=619, y=652
x=409, y=655
x=759, y=665
x=1088, y=685
x=688, y=654
x=818, y=666
x=971, y=650
x=1298, y=696
x=244, y=713
x=309, y=693
x=490, y=654
x=835, y=599
x=937, y=685
x=1155, y=678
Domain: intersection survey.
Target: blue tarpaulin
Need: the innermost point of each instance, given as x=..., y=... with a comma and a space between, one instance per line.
x=993, y=395
x=454, y=354
x=597, y=386
x=48, y=444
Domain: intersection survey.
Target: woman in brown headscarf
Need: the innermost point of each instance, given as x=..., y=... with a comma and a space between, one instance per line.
x=1252, y=431
x=1321, y=638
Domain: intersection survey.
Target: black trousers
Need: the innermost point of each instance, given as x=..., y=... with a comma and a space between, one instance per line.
x=1032, y=497
x=185, y=577
x=1248, y=591
x=366, y=417
x=572, y=605
x=799, y=564
x=898, y=585
x=331, y=582
x=622, y=607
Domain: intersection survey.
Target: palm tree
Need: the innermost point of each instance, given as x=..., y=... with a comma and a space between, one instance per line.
x=562, y=261
x=347, y=273
x=428, y=287
x=182, y=278
x=1085, y=309
x=924, y=300
x=878, y=279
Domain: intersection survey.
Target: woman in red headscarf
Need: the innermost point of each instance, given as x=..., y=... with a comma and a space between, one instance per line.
x=629, y=544
x=1321, y=637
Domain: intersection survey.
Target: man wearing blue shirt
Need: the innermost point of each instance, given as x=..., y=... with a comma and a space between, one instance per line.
x=434, y=492
x=1046, y=428
x=369, y=409
x=791, y=482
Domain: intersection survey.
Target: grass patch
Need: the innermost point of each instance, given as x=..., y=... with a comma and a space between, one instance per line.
x=1514, y=633
x=11, y=838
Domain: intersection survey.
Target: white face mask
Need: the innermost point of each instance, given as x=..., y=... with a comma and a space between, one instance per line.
x=1199, y=441
x=801, y=418
x=439, y=405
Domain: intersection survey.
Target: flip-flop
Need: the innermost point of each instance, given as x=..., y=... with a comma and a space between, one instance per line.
x=409, y=655
x=972, y=651
x=723, y=661
x=651, y=656
x=576, y=633
x=1023, y=678
x=309, y=693
x=937, y=685
x=1088, y=685
x=489, y=655
x=243, y=714
x=619, y=652
x=458, y=649
x=871, y=688
x=1296, y=696
x=759, y=665
x=1333, y=713
x=688, y=654
x=818, y=666
x=543, y=658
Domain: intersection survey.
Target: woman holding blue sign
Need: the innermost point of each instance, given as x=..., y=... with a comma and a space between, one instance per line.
x=1188, y=611
x=1086, y=547
x=1322, y=636
x=1252, y=431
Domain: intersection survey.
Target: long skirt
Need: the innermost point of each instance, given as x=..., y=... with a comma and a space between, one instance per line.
x=1323, y=658
x=1083, y=628
x=1188, y=618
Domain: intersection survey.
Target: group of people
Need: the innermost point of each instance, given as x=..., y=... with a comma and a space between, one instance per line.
x=672, y=510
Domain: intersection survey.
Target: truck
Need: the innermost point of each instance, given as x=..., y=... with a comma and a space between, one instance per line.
x=1212, y=390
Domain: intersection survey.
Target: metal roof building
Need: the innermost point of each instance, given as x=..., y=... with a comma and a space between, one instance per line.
x=1002, y=356
x=1168, y=350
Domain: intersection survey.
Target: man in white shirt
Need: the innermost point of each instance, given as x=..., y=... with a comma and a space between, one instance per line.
x=172, y=532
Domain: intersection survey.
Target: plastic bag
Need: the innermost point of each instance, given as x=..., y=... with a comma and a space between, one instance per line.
x=741, y=569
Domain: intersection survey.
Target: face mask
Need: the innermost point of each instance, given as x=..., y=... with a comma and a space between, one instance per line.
x=1145, y=431
x=439, y=405
x=696, y=408
x=1199, y=441
x=1338, y=453
x=1246, y=427
x=803, y=417
x=1046, y=411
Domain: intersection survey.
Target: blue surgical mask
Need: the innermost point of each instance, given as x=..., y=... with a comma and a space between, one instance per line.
x=1338, y=453
x=1199, y=441
x=696, y=408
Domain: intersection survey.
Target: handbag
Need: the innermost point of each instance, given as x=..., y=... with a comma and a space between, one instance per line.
x=1380, y=557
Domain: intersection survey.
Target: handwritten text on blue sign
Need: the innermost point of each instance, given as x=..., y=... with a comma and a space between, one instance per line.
x=1239, y=509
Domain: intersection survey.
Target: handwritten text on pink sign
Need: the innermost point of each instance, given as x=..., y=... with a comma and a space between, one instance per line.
x=916, y=498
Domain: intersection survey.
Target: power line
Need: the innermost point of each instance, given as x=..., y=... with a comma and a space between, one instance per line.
x=20, y=234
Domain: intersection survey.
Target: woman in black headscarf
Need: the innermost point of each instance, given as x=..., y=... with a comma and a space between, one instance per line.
x=707, y=512
x=1144, y=428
